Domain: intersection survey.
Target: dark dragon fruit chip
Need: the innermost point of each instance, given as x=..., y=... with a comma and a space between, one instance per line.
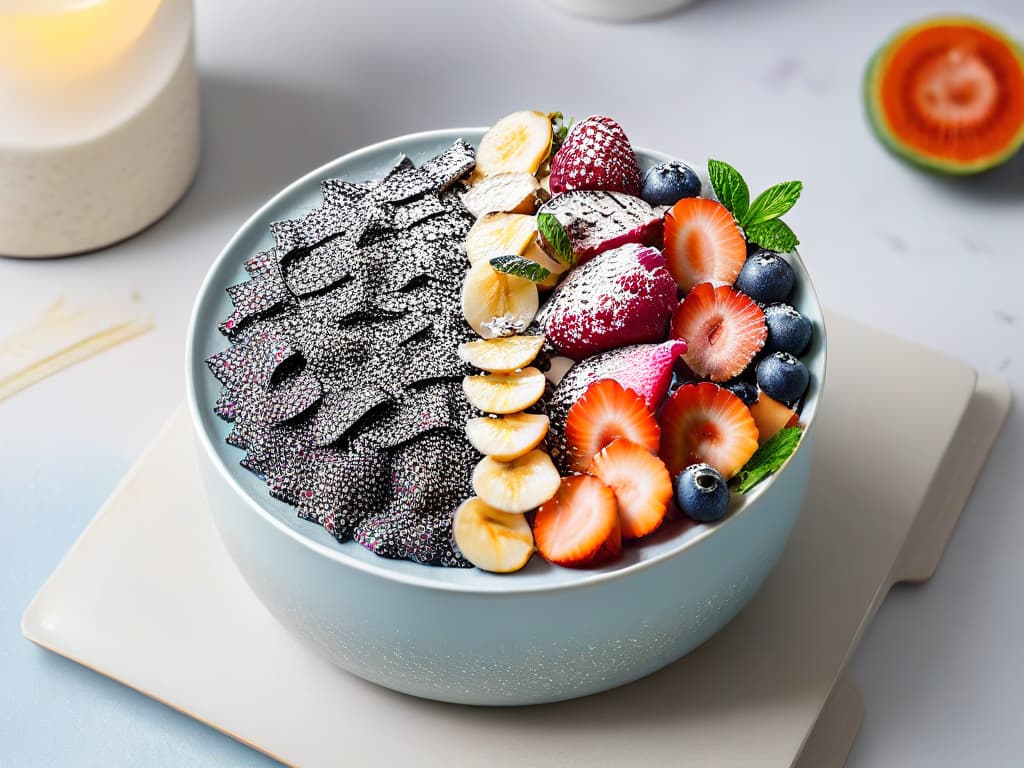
x=341, y=378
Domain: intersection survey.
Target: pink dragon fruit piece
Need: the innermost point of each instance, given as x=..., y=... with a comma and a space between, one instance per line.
x=623, y=296
x=599, y=221
x=644, y=368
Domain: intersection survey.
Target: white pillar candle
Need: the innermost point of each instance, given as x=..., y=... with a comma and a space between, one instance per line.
x=100, y=128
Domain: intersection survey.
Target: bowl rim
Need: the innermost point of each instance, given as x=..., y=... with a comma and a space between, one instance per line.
x=381, y=569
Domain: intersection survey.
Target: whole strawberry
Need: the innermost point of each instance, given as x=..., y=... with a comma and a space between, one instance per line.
x=596, y=155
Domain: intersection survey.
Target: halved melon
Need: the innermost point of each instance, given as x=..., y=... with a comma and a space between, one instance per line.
x=948, y=93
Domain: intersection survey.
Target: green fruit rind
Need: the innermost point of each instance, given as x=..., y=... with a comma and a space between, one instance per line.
x=879, y=123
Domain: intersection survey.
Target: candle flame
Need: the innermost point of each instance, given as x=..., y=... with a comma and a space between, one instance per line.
x=42, y=39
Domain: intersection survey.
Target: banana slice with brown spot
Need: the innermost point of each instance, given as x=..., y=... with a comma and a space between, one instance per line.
x=498, y=234
x=490, y=539
x=505, y=438
x=518, y=143
x=503, y=393
x=519, y=485
x=503, y=193
x=535, y=253
x=501, y=355
x=495, y=304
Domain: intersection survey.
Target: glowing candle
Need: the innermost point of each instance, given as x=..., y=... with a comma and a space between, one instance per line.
x=99, y=134
x=42, y=39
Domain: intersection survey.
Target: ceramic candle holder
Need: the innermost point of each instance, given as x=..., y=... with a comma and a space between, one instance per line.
x=100, y=135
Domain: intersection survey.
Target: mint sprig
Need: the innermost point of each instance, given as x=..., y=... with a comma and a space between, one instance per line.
x=520, y=266
x=730, y=188
x=774, y=234
x=773, y=202
x=760, y=220
x=768, y=458
x=554, y=235
x=559, y=130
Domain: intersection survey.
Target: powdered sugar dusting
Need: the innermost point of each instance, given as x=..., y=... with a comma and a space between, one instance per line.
x=623, y=296
x=599, y=221
x=596, y=154
x=644, y=368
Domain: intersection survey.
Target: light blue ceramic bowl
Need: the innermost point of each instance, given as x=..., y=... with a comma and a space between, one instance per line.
x=541, y=635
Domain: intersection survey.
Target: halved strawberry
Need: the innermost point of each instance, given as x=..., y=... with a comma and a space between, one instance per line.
x=770, y=416
x=723, y=329
x=607, y=412
x=641, y=484
x=579, y=526
x=702, y=242
x=706, y=423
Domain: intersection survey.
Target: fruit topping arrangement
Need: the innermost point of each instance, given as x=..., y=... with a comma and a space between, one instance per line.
x=534, y=346
x=657, y=304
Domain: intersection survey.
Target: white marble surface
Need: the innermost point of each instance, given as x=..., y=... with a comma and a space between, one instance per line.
x=773, y=87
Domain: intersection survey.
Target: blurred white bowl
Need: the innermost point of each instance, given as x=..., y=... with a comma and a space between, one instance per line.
x=620, y=10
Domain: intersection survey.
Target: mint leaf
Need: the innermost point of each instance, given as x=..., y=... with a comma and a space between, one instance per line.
x=768, y=459
x=774, y=234
x=730, y=188
x=772, y=203
x=520, y=266
x=559, y=130
x=554, y=235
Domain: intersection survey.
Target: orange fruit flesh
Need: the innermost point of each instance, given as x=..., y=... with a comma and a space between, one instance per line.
x=953, y=91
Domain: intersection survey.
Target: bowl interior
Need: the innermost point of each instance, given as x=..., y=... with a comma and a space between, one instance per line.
x=204, y=339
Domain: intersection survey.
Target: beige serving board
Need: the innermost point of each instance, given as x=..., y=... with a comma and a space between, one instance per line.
x=148, y=596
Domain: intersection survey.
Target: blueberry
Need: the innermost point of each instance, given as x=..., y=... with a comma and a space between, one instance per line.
x=782, y=376
x=743, y=389
x=766, y=277
x=670, y=182
x=701, y=493
x=788, y=330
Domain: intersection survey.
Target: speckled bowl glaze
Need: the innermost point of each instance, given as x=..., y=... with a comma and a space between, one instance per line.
x=541, y=635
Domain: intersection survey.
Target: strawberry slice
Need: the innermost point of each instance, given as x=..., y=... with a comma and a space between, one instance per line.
x=607, y=412
x=706, y=423
x=641, y=484
x=579, y=526
x=723, y=329
x=702, y=243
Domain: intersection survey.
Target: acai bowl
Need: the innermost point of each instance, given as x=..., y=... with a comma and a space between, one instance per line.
x=467, y=635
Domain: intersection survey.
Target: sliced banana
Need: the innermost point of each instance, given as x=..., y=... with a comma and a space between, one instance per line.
x=505, y=438
x=495, y=304
x=519, y=485
x=518, y=143
x=503, y=393
x=498, y=234
x=501, y=355
x=535, y=253
x=490, y=539
x=504, y=193
x=501, y=234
